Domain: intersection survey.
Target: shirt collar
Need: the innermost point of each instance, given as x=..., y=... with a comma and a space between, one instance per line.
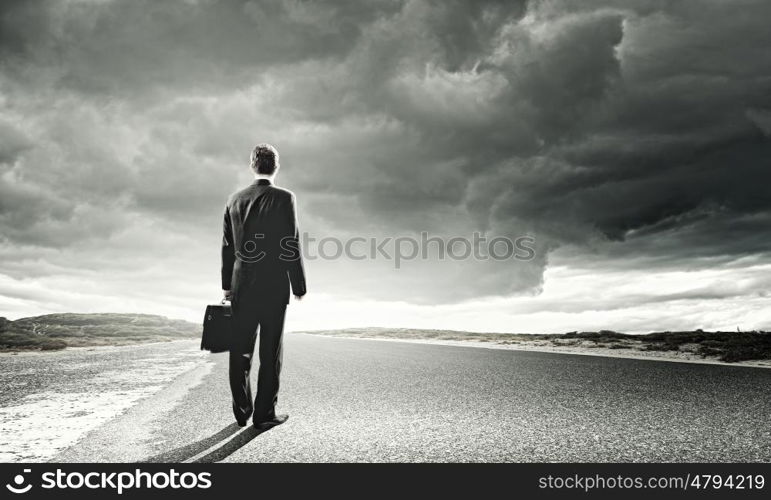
x=264, y=179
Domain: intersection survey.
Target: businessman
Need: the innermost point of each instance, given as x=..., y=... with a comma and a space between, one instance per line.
x=261, y=259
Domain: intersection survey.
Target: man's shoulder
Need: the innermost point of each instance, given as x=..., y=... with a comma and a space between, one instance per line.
x=235, y=196
x=285, y=193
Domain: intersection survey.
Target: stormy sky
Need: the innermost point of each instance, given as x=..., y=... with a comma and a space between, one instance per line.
x=630, y=139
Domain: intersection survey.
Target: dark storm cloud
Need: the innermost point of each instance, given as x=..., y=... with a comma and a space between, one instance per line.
x=632, y=128
x=119, y=47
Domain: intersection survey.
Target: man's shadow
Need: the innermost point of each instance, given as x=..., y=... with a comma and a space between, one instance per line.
x=228, y=448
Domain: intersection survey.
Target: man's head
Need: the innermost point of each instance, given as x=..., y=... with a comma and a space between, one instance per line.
x=264, y=159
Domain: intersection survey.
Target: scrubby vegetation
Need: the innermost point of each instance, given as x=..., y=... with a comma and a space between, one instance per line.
x=725, y=346
x=58, y=331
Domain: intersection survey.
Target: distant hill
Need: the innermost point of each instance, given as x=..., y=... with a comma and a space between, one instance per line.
x=58, y=331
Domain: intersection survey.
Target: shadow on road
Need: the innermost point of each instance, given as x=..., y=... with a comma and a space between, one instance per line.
x=188, y=451
x=231, y=446
x=191, y=450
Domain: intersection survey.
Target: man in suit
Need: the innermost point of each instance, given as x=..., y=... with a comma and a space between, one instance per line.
x=260, y=261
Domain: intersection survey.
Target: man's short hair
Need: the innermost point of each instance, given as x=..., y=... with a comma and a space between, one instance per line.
x=265, y=159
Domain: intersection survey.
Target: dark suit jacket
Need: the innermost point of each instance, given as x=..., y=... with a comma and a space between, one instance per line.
x=261, y=254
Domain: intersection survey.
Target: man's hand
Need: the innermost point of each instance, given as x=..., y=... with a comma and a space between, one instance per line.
x=227, y=294
x=298, y=297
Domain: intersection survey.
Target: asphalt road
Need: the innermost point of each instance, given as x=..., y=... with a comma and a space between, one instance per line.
x=365, y=400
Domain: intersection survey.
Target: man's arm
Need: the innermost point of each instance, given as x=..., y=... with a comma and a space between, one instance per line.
x=295, y=268
x=228, y=254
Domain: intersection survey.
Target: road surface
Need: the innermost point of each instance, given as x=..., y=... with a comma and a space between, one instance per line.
x=367, y=400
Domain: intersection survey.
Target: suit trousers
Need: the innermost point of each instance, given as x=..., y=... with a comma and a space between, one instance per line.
x=254, y=317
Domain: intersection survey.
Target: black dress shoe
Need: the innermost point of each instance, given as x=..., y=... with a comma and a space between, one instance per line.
x=270, y=423
x=242, y=417
x=243, y=421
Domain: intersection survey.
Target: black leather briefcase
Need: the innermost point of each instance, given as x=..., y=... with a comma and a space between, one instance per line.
x=218, y=328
